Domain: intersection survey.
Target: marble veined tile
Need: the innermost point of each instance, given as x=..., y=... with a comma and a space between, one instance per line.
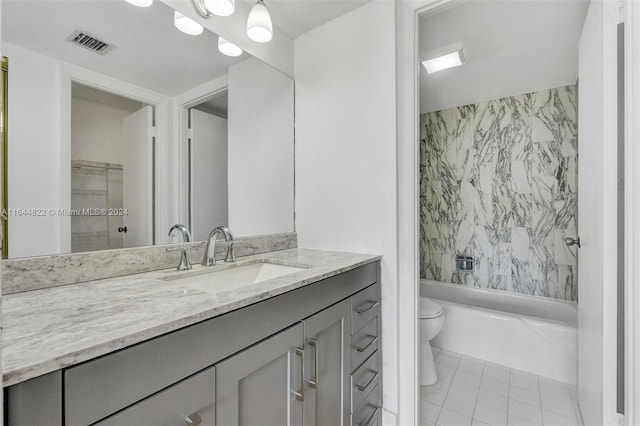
x=566, y=211
x=520, y=243
x=555, y=116
x=501, y=260
x=498, y=181
x=562, y=254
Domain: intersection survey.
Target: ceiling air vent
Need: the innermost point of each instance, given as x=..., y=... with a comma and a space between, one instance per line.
x=88, y=41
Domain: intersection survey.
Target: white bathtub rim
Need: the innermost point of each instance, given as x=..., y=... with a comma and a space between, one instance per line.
x=503, y=294
x=507, y=316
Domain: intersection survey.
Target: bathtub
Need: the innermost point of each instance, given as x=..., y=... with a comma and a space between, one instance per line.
x=529, y=333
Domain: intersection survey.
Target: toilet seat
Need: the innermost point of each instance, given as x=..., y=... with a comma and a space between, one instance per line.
x=429, y=309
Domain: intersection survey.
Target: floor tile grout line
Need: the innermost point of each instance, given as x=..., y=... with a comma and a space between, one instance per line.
x=475, y=405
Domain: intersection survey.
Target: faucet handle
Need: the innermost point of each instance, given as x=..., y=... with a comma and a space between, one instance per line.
x=231, y=254
x=184, y=264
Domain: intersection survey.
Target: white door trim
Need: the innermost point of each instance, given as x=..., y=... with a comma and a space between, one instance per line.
x=179, y=156
x=632, y=211
x=70, y=73
x=408, y=13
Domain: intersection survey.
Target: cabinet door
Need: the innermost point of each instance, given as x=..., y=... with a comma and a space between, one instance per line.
x=327, y=348
x=262, y=385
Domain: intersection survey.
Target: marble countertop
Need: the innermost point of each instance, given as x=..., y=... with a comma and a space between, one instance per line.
x=46, y=330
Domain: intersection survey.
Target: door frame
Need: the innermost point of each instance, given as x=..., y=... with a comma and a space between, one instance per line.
x=408, y=13
x=73, y=74
x=179, y=153
x=632, y=210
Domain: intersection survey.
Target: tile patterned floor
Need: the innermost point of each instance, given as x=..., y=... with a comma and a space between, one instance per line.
x=472, y=392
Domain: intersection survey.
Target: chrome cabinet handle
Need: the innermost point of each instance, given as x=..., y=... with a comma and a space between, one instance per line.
x=300, y=395
x=193, y=420
x=367, y=306
x=371, y=417
x=314, y=383
x=364, y=387
x=374, y=339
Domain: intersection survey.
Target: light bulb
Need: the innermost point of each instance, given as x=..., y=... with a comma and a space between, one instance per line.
x=186, y=25
x=259, y=26
x=141, y=3
x=220, y=7
x=227, y=48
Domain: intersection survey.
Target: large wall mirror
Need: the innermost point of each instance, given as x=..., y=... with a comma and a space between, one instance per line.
x=120, y=126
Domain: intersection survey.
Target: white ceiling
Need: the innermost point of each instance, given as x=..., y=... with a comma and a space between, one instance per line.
x=296, y=17
x=512, y=46
x=150, y=53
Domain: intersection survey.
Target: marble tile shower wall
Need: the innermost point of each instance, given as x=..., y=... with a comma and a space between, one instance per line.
x=498, y=182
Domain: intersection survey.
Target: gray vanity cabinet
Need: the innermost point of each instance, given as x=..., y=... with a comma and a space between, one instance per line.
x=306, y=357
x=327, y=346
x=263, y=385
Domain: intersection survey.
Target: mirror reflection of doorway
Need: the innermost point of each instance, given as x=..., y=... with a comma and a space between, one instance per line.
x=208, y=151
x=111, y=171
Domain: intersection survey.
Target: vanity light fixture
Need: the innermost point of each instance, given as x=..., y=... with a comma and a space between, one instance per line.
x=227, y=48
x=449, y=57
x=141, y=3
x=259, y=26
x=186, y=25
x=220, y=7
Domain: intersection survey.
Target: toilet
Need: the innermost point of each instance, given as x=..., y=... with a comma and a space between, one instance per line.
x=431, y=322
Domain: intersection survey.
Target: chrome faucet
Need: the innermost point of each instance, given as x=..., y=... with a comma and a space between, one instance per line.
x=186, y=236
x=210, y=250
x=184, y=264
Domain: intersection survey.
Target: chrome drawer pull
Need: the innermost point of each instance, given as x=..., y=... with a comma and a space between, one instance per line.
x=364, y=387
x=371, y=418
x=300, y=395
x=374, y=339
x=314, y=383
x=367, y=306
x=193, y=420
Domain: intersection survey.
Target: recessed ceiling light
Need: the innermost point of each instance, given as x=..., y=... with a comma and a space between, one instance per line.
x=141, y=3
x=187, y=25
x=451, y=57
x=228, y=48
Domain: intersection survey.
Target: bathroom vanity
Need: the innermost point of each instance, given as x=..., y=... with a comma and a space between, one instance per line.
x=300, y=348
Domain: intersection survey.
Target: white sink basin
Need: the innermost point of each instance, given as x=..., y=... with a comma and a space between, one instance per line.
x=234, y=277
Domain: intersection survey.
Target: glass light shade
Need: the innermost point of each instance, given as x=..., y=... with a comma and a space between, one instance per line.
x=227, y=48
x=186, y=25
x=220, y=7
x=259, y=26
x=141, y=3
x=449, y=60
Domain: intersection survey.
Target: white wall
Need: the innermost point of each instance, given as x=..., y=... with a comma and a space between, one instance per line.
x=34, y=151
x=346, y=152
x=96, y=132
x=597, y=185
x=261, y=174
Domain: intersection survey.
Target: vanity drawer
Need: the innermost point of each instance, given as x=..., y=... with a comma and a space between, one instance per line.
x=364, y=379
x=365, y=305
x=364, y=342
x=193, y=398
x=369, y=413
